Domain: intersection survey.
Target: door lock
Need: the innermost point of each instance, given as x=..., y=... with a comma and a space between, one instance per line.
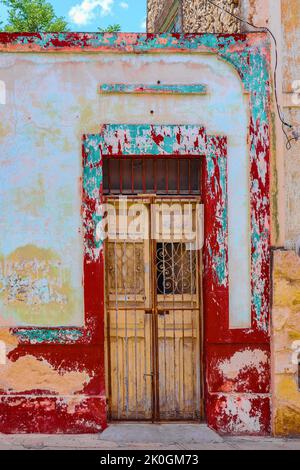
x=149, y=311
x=162, y=313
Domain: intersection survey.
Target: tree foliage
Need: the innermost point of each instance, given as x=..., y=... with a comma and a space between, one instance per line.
x=112, y=28
x=33, y=16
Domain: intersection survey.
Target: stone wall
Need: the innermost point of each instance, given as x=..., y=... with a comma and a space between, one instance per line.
x=154, y=8
x=198, y=15
x=286, y=343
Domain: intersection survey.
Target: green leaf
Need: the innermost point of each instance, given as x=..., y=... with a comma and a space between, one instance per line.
x=33, y=16
x=112, y=28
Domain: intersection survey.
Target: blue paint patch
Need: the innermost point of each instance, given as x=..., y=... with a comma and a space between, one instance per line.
x=153, y=89
x=43, y=335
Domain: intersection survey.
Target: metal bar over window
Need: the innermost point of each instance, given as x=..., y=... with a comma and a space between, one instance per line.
x=163, y=175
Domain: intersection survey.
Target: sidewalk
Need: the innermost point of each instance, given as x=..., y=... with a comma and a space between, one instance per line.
x=146, y=437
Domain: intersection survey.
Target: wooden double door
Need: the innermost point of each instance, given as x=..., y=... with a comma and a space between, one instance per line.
x=153, y=317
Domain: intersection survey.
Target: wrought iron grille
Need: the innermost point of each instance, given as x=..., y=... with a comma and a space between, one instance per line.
x=176, y=269
x=165, y=175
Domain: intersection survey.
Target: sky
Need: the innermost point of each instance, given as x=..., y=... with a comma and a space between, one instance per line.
x=88, y=15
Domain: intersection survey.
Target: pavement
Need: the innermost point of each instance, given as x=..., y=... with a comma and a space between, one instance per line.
x=173, y=437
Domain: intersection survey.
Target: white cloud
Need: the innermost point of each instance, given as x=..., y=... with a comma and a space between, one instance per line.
x=124, y=5
x=84, y=12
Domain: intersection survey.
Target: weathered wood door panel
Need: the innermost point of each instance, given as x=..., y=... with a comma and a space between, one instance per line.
x=130, y=350
x=178, y=372
x=153, y=323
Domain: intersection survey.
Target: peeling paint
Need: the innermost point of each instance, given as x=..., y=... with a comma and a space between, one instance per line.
x=35, y=288
x=29, y=374
x=42, y=336
x=48, y=354
x=242, y=360
x=81, y=415
x=239, y=410
x=152, y=89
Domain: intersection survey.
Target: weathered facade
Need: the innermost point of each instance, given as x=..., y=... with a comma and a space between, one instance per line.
x=61, y=369
x=283, y=19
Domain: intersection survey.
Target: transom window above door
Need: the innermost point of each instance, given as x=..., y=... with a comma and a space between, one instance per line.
x=165, y=175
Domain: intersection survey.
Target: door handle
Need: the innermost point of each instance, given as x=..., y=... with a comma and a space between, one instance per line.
x=162, y=313
x=148, y=311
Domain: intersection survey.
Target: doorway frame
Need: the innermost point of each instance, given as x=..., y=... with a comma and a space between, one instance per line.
x=149, y=199
x=163, y=140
